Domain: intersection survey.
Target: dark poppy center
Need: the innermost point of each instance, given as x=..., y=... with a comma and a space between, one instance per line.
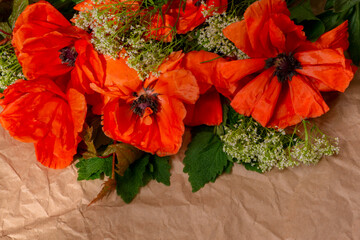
x=285, y=66
x=68, y=56
x=197, y=3
x=146, y=99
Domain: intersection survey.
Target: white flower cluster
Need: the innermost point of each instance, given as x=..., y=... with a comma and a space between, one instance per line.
x=212, y=38
x=104, y=25
x=143, y=55
x=249, y=142
x=312, y=154
x=10, y=69
x=114, y=30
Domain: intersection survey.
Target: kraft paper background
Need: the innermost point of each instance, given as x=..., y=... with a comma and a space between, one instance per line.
x=307, y=202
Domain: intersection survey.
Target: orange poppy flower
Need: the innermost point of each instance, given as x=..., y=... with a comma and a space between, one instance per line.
x=280, y=84
x=208, y=108
x=192, y=15
x=39, y=111
x=183, y=18
x=47, y=45
x=148, y=114
x=89, y=4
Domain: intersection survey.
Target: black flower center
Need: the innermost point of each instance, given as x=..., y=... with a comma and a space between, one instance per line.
x=146, y=99
x=68, y=56
x=197, y=3
x=285, y=66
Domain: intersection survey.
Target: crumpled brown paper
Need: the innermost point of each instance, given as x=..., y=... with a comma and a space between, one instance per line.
x=307, y=202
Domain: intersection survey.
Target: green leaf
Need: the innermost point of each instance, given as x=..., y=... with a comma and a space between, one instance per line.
x=331, y=19
x=93, y=168
x=343, y=5
x=77, y=1
x=229, y=167
x=232, y=116
x=161, y=169
x=329, y=4
x=6, y=28
x=18, y=7
x=204, y=159
x=250, y=167
x=354, y=35
x=303, y=15
x=128, y=186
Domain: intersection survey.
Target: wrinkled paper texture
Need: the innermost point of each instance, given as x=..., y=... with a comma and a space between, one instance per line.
x=306, y=202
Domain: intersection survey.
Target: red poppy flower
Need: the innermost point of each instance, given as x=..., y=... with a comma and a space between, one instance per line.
x=208, y=108
x=47, y=46
x=183, y=18
x=89, y=4
x=148, y=114
x=280, y=84
x=192, y=14
x=39, y=111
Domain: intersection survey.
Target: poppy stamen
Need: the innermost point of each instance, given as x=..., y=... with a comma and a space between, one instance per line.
x=68, y=56
x=285, y=66
x=144, y=100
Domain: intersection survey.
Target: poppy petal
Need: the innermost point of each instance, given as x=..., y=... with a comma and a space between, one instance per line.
x=207, y=110
x=89, y=67
x=170, y=125
x=321, y=57
x=180, y=84
x=42, y=64
x=246, y=99
x=232, y=75
x=118, y=120
x=42, y=114
x=172, y=62
x=336, y=38
x=77, y=105
x=284, y=114
x=41, y=12
x=307, y=101
x=264, y=107
x=327, y=66
x=120, y=77
x=57, y=148
x=203, y=71
x=237, y=33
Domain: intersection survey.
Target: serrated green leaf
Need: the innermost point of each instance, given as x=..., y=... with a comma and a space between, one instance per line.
x=204, y=159
x=354, y=35
x=161, y=169
x=128, y=186
x=303, y=15
x=18, y=7
x=343, y=5
x=93, y=168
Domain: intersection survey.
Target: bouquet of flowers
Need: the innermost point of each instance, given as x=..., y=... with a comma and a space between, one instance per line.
x=114, y=86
